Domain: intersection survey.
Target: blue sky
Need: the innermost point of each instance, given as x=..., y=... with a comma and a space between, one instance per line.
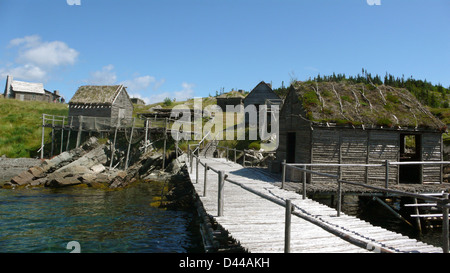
x=193, y=48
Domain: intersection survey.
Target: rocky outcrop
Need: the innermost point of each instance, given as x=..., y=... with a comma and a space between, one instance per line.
x=89, y=165
x=83, y=165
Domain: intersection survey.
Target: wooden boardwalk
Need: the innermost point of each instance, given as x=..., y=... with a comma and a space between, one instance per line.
x=257, y=223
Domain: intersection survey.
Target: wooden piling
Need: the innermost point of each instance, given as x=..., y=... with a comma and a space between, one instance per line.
x=165, y=142
x=53, y=136
x=80, y=129
x=68, y=134
x=43, y=134
x=146, y=135
x=113, y=148
x=62, y=135
x=129, y=145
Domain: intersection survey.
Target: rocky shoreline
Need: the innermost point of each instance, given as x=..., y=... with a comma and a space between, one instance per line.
x=88, y=165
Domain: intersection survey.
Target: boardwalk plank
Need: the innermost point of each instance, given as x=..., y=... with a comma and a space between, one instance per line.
x=257, y=223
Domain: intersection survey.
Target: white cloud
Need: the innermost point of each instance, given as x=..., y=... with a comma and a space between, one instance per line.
x=142, y=87
x=28, y=72
x=143, y=83
x=27, y=41
x=36, y=59
x=49, y=54
x=186, y=93
x=105, y=76
x=139, y=83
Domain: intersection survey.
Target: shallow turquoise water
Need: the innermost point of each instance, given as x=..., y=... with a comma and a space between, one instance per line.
x=45, y=220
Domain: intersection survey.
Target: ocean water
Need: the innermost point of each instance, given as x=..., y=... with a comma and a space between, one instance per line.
x=42, y=220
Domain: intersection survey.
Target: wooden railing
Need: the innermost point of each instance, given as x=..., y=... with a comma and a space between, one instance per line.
x=443, y=203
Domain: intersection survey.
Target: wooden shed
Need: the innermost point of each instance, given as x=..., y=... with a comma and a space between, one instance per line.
x=331, y=122
x=104, y=105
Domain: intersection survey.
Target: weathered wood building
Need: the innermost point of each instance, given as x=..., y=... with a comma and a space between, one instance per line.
x=28, y=91
x=359, y=124
x=262, y=94
x=108, y=104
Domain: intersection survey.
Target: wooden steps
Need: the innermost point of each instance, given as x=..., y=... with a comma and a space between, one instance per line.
x=258, y=223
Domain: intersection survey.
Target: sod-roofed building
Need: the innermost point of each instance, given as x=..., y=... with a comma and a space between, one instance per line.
x=108, y=104
x=340, y=122
x=232, y=98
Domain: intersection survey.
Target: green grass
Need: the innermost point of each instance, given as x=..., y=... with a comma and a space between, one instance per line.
x=21, y=126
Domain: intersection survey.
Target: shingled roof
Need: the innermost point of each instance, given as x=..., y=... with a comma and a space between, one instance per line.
x=96, y=94
x=27, y=87
x=344, y=103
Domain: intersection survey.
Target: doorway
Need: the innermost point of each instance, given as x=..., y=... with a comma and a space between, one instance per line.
x=290, y=147
x=410, y=150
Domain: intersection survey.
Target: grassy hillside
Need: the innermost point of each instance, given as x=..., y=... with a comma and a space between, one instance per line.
x=20, y=125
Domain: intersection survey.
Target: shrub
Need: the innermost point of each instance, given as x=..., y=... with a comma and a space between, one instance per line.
x=167, y=101
x=255, y=145
x=310, y=99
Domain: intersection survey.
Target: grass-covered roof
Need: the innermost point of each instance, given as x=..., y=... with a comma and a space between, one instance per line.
x=232, y=94
x=96, y=94
x=344, y=103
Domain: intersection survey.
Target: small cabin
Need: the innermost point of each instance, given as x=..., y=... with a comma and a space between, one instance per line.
x=340, y=122
x=29, y=91
x=101, y=105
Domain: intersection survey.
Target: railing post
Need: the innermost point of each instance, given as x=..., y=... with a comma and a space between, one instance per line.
x=283, y=173
x=386, y=182
x=204, y=180
x=339, y=193
x=287, y=227
x=304, y=182
x=445, y=232
x=243, y=161
x=191, y=158
x=234, y=155
x=220, y=194
x=189, y=152
x=197, y=161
